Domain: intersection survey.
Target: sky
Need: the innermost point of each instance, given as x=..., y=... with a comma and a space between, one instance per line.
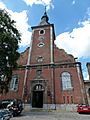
x=71, y=19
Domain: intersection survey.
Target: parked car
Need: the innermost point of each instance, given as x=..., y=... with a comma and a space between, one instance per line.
x=83, y=108
x=1, y=116
x=15, y=106
x=5, y=115
x=8, y=112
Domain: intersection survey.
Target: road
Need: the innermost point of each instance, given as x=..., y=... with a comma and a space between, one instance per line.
x=52, y=116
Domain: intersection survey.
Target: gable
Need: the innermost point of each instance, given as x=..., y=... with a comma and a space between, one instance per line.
x=23, y=57
x=60, y=55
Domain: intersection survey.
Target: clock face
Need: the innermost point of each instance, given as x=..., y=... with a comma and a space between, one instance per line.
x=41, y=38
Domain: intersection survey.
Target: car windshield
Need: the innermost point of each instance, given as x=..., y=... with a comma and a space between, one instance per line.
x=9, y=102
x=4, y=103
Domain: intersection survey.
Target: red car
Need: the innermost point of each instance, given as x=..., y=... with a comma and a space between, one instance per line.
x=83, y=108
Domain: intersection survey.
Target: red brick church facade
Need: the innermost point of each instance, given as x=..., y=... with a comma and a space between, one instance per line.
x=49, y=75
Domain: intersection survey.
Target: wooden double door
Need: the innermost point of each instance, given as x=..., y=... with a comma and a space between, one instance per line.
x=37, y=99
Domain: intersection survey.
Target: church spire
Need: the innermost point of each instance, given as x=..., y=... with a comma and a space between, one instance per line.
x=44, y=19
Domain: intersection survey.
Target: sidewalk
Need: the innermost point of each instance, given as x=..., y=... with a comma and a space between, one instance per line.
x=59, y=108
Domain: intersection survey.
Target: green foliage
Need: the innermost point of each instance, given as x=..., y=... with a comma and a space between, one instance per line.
x=9, y=39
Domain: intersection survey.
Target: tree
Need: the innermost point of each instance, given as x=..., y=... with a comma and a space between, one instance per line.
x=9, y=39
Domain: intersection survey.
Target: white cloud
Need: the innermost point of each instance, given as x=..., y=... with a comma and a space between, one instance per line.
x=47, y=3
x=21, y=24
x=73, y=2
x=88, y=11
x=2, y=6
x=86, y=76
x=76, y=42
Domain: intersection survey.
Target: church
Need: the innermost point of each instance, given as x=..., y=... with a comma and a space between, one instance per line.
x=48, y=76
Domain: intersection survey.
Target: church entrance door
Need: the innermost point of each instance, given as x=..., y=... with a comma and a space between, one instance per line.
x=37, y=99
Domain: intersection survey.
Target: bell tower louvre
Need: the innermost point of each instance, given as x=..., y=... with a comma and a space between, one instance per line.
x=50, y=76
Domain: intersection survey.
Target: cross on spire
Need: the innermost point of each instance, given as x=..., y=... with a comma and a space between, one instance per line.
x=45, y=8
x=44, y=19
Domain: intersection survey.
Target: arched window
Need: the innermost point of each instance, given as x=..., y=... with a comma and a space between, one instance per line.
x=66, y=81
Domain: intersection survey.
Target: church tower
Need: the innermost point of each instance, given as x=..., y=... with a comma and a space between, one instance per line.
x=43, y=42
x=41, y=58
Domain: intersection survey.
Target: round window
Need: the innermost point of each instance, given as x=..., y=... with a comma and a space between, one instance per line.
x=41, y=32
x=40, y=44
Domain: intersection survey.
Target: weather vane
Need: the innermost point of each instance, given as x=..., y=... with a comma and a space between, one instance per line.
x=45, y=9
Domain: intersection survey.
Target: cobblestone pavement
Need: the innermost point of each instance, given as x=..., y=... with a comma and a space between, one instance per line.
x=52, y=116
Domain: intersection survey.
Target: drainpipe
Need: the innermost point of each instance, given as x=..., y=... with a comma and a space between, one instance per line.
x=52, y=69
x=26, y=70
